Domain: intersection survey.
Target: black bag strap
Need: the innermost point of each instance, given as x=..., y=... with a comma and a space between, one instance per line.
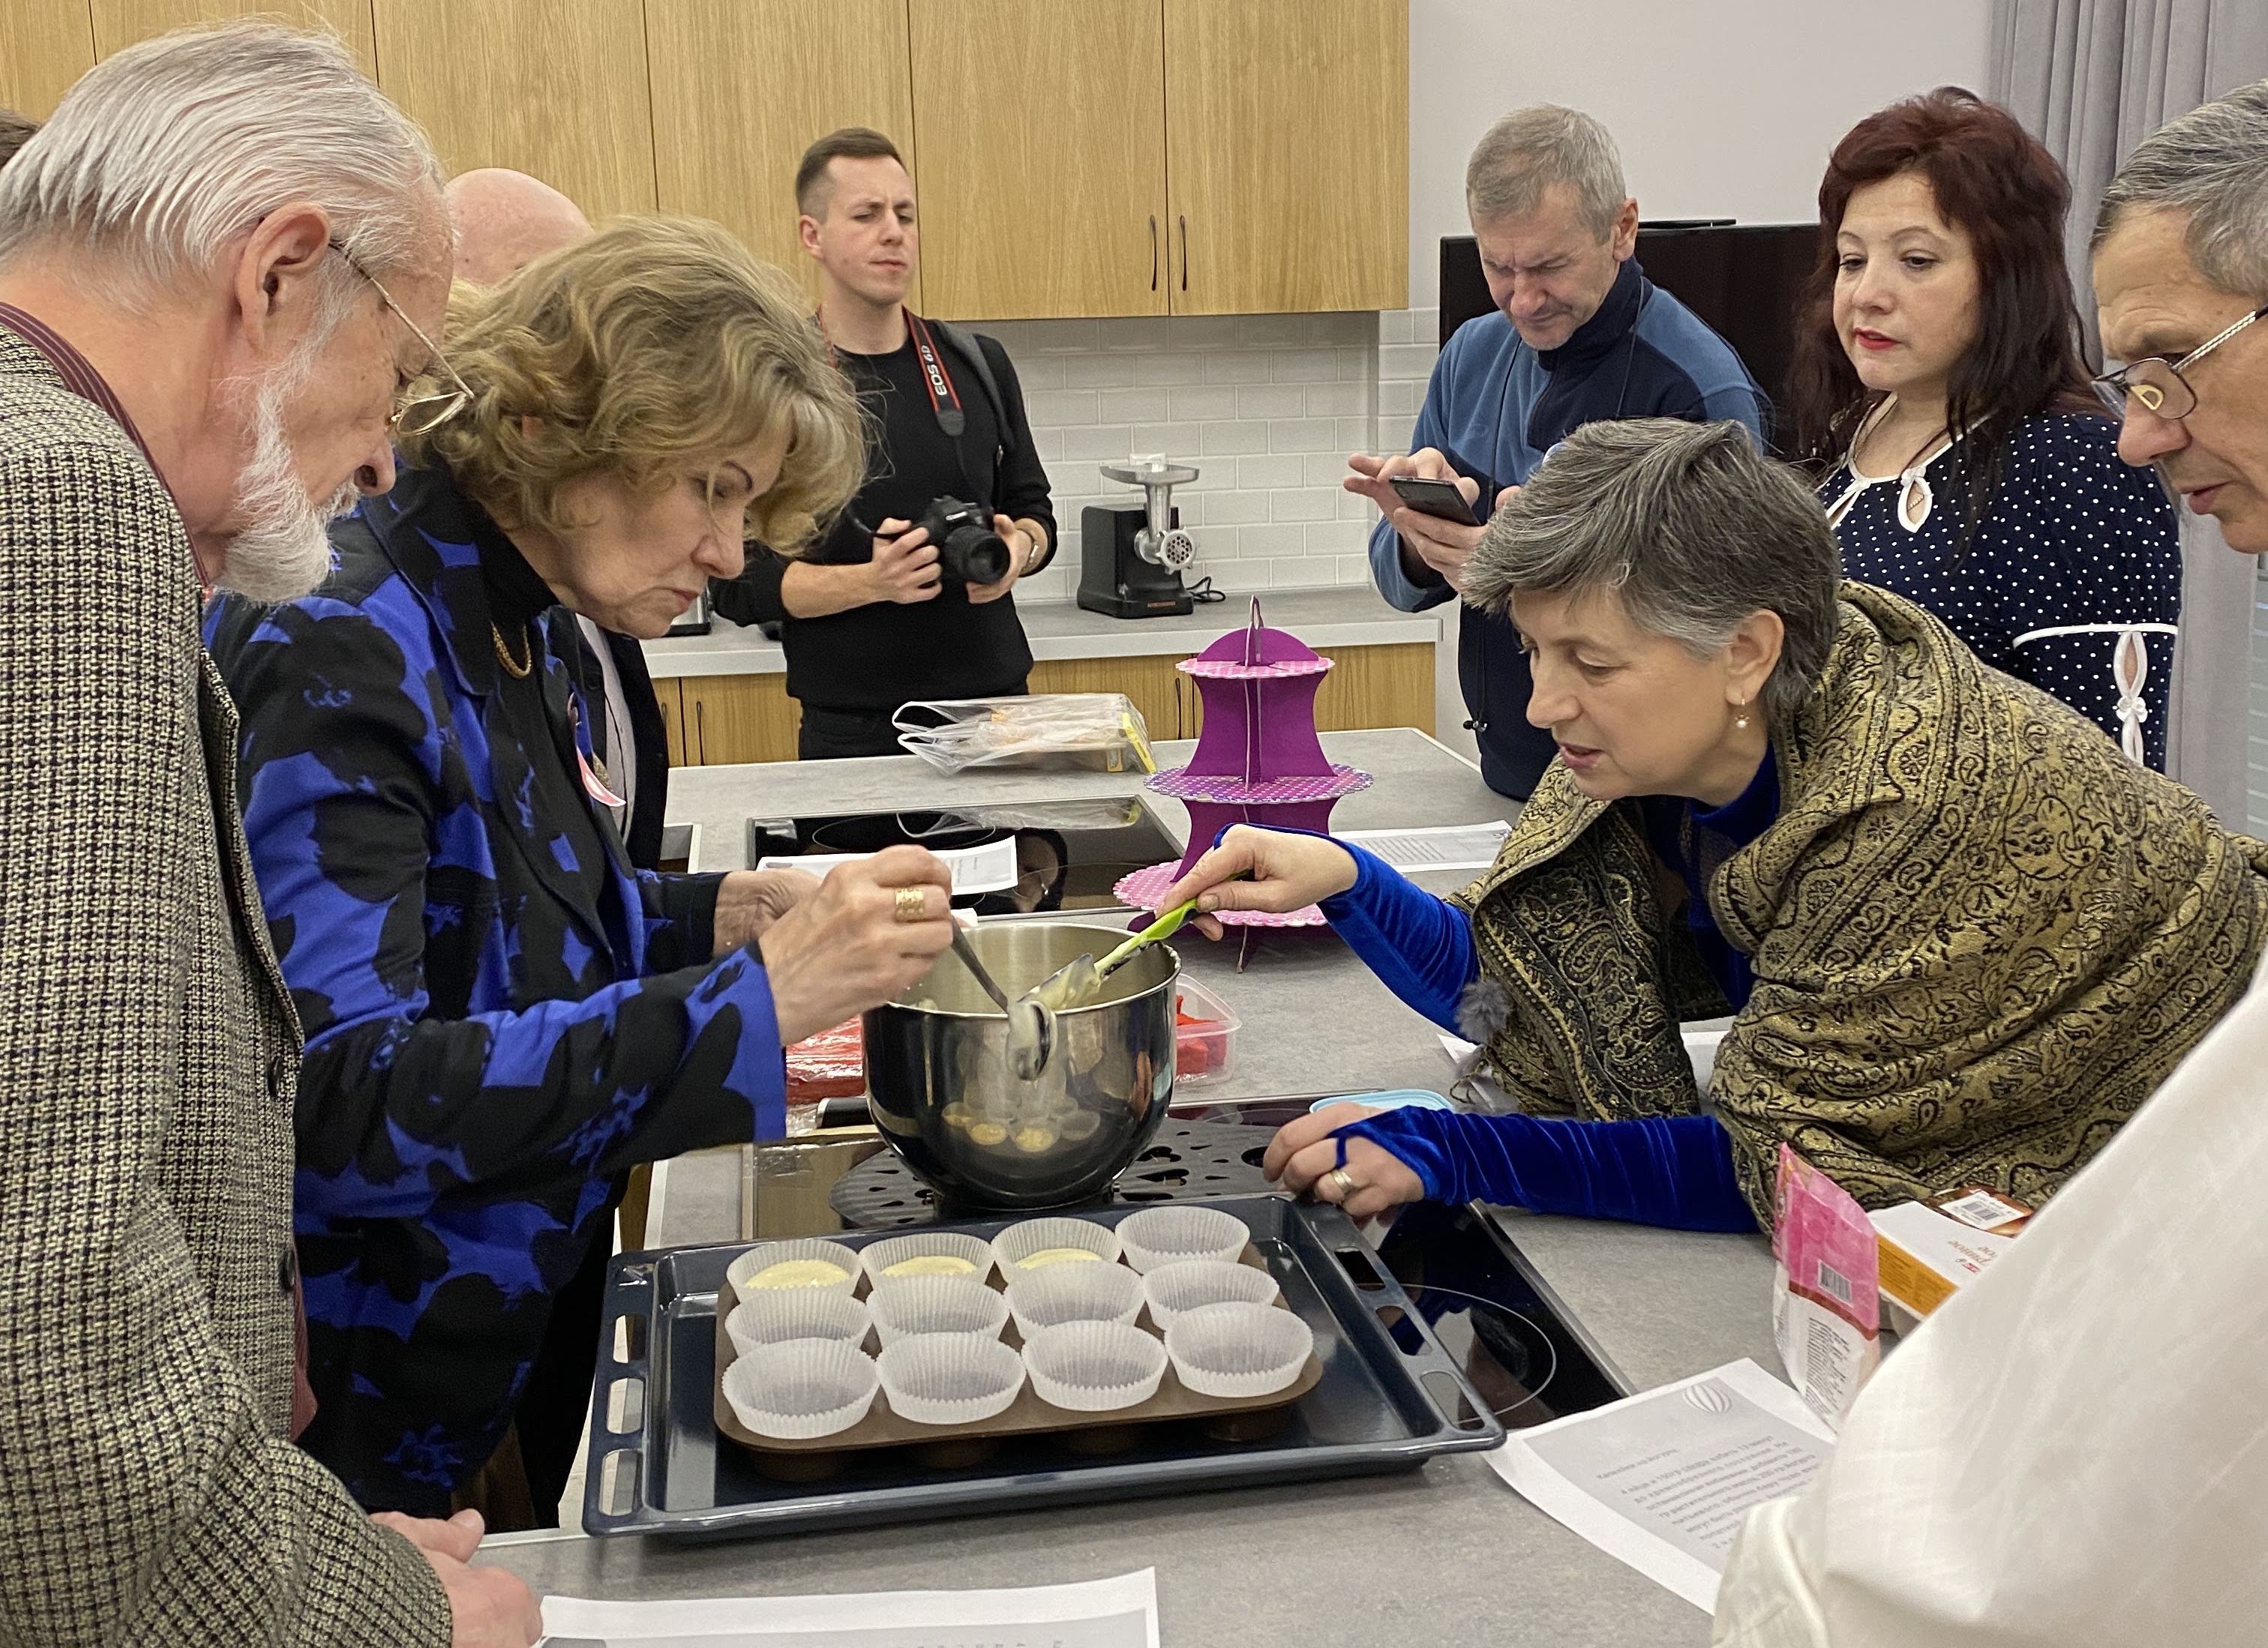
x=972, y=350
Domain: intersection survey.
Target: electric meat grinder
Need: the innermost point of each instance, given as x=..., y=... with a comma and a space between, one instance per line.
x=1131, y=560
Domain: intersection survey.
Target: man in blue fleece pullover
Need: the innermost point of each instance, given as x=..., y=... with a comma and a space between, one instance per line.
x=1580, y=336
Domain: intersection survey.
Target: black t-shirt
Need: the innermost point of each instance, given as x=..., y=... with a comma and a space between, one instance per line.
x=877, y=657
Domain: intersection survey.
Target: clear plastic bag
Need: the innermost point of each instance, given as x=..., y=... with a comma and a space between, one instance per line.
x=1086, y=731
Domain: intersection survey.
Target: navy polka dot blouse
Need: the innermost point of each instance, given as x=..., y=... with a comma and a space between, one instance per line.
x=2072, y=540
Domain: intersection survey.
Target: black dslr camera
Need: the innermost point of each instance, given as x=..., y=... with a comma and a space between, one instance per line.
x=968, y=548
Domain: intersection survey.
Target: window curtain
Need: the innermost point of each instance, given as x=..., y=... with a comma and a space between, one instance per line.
x=2092, y=78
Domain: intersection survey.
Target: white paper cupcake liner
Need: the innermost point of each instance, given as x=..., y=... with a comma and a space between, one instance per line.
x=776, y=1315
x=1176, y=1288
x=1073, y=1292
x=1237, y=1350
x=1173, y=1235
x=949, y=1379
x=1094, y=1367
x=903, y=1307
x=1018, y=1242
x=878, y=1257
x=801, y=1389
x=743, y=1271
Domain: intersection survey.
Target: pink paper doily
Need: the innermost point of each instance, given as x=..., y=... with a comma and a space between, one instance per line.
x=1228, y=669
x=1145, y=889
x=1184, y=785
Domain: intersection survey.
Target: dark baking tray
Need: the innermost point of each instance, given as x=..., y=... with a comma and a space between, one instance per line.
x=658, y=1466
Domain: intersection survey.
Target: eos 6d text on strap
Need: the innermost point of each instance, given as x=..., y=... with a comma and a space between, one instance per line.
x=943, y=400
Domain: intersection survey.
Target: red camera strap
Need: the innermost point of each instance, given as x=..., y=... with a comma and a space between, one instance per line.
x=944, y=399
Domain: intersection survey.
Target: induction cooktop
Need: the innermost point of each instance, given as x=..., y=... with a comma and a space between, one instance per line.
x=1070, y=854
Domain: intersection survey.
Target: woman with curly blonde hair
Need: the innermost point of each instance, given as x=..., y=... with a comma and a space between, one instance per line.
x=502, y=1015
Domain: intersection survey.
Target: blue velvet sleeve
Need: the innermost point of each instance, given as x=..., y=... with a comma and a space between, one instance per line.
x=1673, y=1171
x=1420, y=945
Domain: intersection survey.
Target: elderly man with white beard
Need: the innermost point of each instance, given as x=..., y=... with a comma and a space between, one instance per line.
x=220, y=263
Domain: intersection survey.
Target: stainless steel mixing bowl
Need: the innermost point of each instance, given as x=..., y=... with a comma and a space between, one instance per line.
x=946, y=1096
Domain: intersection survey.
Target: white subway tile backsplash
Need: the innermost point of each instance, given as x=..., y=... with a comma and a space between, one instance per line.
x=1405, y=360
x=1266, y=406
x=1061, y=407
x=1217, y=401
x=1235, y=508
x=1301, y=435
x=1101, y=440
x=1270, y=400
x=1275, y=539
x=1240, y=366
x=1020, y=338
x=1337, y=400
x=1306, y=366
x=1281, y=470
x=1304, y=504
x=1228, y=437
x=1136, y=406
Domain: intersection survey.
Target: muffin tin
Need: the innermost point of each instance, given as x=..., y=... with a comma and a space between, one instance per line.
x=1083, y=1332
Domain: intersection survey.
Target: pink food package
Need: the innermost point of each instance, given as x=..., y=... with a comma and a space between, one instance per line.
x=1826, y=1304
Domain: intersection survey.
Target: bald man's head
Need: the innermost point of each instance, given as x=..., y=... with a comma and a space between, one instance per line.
x=505, y=220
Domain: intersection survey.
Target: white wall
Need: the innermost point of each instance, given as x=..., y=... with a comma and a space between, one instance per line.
x=1722, y=108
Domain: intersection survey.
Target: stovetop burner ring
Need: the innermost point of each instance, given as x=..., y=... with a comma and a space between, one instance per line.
x=1186, y=1159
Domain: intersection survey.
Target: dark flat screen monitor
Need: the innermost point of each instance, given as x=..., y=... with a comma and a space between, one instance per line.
x=1744, y=279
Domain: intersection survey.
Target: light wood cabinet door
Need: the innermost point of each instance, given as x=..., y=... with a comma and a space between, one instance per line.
x=556, y=88
x=1153, y=684
x=1377, y=687
x=726, y=141
x=44, y=46
x=670, y=695
x=120, y=23
x=1043, y=178
x=1288, y=152
x=732, y=718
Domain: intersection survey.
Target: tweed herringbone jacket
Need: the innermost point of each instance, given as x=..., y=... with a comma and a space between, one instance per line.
x=149, y=1490
x=1981, y=935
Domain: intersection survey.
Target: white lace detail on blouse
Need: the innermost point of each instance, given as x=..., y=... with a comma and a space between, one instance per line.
x=2130, y=669
x=1915, y=497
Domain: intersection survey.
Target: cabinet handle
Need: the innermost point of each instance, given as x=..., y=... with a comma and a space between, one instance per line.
x=1154, y=251
x=1185, y=253
x=700, y=737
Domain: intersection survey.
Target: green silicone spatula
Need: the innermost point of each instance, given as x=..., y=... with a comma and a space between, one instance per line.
x=1074, y=984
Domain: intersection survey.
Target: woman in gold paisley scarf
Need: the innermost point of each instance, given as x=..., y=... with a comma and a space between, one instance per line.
x=1963, y=936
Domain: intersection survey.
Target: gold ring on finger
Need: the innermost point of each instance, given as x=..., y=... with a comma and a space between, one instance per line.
x=911, y=904
x=1339, y=1181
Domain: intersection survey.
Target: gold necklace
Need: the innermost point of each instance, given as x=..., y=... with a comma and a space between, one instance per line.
x=518, y=671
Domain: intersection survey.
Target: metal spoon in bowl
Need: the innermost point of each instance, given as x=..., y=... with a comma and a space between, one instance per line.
x=1079, y=980
x=1031, y=1023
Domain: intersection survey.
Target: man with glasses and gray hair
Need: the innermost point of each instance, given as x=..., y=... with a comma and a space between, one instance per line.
x=1580, y=335
x=221, y=263
x=2069, y=1452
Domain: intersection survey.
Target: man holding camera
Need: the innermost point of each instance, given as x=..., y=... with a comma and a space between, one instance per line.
x=908, y=597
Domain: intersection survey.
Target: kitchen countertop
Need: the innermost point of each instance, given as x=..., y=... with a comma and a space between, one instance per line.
x=1444, y=1554
x=1344, y=615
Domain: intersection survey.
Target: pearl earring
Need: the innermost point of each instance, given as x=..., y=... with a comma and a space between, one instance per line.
x=1741, y=720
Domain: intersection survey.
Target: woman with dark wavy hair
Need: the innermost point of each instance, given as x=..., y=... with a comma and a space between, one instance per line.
x=1939, y=391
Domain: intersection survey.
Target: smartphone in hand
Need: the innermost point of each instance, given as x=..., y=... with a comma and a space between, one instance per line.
x=1440, y=499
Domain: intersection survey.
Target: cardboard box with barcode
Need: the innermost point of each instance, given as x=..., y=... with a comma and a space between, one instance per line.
x=1928, y=1250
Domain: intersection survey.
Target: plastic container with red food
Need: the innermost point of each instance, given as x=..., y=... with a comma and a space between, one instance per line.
x=1205, y=1034
x=829, y=1065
